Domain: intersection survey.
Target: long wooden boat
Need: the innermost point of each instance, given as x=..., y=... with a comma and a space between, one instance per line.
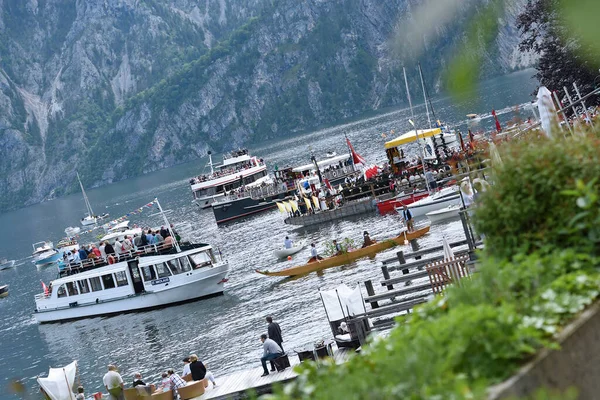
x=348, y=257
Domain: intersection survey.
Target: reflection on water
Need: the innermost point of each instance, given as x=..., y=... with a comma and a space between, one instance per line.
x=224, y=330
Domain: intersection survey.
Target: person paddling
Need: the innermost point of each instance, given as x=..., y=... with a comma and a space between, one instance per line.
x=314, y=254
x=367, y=239
x=408, y=218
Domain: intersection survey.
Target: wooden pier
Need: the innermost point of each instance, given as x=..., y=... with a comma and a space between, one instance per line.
x=236, y=385
x=349, y=209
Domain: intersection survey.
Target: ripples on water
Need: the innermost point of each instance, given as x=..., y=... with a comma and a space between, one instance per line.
x=223, y=331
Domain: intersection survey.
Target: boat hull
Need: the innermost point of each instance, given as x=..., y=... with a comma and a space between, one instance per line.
x=420, y=209
x=389, y=206
x=243, y=207
x=443, y=214
x=7, y=265
x=3, y=291
x=348, y=257
x=209, y=285
x=283, y=253
x=48, y=260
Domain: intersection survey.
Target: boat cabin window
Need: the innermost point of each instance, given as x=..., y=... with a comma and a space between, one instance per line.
x=121, y=278
x=84, y=287
x=185, y=264
x=148, y=273
x=61, y=292
x=108, y=281
x=72, y=288
x=174, y=266
x=95, y=284
x=162, y=271
x=200, y=260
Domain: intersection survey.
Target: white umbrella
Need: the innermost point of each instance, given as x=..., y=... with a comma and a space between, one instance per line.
x=546, y=109
x=448, y=253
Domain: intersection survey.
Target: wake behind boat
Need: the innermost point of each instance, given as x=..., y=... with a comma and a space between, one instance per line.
x=348, y=256
x=6, y=264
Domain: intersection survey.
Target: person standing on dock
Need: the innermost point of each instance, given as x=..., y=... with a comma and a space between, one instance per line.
x=274, y=332
x=408, y=218
x=271, y=352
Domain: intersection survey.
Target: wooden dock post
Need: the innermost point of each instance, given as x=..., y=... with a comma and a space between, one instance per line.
x=402, y=260
x=386, y=276
x=371, y=292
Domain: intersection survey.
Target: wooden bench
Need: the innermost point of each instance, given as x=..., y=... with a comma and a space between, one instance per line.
x=445, y=272
x=192, y=390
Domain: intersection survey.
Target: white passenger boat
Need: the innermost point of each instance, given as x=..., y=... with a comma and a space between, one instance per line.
x=238, y=169
x=134, y=285
x=444, y=213
x=44, y=253
x=283, y=253
x=67, y=244
x=90, y=218
x=442, y=199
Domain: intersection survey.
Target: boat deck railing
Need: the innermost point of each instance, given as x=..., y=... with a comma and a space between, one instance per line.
x=149, y=250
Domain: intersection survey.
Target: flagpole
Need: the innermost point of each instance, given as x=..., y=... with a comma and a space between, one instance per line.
x=168, y=225
x=412, y=114
x=349, y=150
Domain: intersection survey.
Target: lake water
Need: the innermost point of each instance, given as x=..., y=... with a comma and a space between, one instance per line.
x=223, y=331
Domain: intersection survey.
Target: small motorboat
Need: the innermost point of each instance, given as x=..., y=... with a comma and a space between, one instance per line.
x=442, y=199
x=6, y=264
x=444, y=213
x=283, y=253
x=66, y=245
x=472, y=116
x=3, y=291
x=349, y=256
x=44, y=253
x=330, y=154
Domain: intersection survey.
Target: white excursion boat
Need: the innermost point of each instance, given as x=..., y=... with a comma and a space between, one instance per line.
x=134, y=285
x=444, y=198
x=90, y=218
x=283, y=253
x=44, y=253
x=444, y=213
x=238, y=169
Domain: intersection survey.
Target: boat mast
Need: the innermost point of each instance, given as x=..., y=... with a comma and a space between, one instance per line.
x=414, y=126
x=85, y=198
x=168, y=225
x=424, y=95
x=210, y=163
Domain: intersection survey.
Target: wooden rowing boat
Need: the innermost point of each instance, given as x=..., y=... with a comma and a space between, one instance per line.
x=348, y=257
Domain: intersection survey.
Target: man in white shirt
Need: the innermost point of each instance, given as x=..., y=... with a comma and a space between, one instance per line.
x=118, y=246
x=127, y=245
x=271, y=352
x=186, y=367
x=113, y=383
x=102, y=252
x=288, y=242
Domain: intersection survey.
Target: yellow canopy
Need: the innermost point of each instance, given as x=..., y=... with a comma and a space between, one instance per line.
x=411, y=137
x=281, y=207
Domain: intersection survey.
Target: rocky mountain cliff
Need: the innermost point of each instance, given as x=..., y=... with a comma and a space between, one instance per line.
x=116, y=88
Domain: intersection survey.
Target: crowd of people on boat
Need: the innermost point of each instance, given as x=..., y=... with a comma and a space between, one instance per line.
x=107, y=252
x=225, y=171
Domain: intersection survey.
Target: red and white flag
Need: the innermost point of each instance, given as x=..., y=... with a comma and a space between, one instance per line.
x=45, y=288
x=356, y=158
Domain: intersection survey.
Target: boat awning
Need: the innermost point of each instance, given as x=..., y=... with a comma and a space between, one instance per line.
x=323, y=163
x=411, y=137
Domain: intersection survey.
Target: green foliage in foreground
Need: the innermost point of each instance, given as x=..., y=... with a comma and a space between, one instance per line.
x=479, y=334
x=536, y=196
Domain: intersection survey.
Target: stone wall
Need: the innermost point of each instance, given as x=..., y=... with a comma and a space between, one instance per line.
x=576, y=364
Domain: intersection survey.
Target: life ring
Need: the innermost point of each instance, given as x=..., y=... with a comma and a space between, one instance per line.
x=334, y=174
x=111, y=259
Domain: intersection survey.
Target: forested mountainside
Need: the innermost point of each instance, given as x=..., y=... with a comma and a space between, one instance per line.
x=116, y=88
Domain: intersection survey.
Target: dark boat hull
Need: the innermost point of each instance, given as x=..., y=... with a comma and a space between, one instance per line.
x=243, y=207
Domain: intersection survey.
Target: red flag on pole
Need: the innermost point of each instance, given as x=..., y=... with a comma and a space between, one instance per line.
x=356, y=158
x=45, y=288
x=498, y=127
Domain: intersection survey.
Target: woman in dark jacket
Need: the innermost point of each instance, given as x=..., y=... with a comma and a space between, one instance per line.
x=197, y=369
